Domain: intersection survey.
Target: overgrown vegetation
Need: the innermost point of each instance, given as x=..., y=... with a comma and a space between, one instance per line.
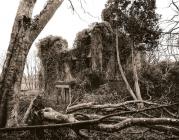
x=106, y=63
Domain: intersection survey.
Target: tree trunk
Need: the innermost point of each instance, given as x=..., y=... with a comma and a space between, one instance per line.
x=121, y=70
x=27, y=113
x=136, y=79
x=13, y=118
x=24, y=32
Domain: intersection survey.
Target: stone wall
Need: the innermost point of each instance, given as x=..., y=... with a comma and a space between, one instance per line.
x=92, y=56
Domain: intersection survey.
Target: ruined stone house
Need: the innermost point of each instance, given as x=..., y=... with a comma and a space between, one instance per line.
x=93, y=52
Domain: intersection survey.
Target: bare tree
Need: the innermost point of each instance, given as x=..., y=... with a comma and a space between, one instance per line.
x=31, y=72
x=137, y=94
x=25, y=31
x=122, y=71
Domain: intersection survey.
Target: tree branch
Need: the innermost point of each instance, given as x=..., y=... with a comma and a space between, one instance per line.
x=92, y=105
x=165, y=129
x=27, y=113
x=136, y=111
x=174, y=4
x=137, y=122
x=25, y=9
x=69, y=121
x=40, y=21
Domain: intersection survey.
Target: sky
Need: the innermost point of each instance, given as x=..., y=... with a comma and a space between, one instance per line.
x=65, y=22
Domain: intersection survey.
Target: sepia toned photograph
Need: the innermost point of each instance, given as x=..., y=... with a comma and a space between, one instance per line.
x=89, y=70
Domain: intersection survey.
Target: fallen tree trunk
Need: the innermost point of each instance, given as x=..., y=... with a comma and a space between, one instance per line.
x=50, y=114
x=145, y=122
x=111, y=107
x=95, y=122
x=80, y=124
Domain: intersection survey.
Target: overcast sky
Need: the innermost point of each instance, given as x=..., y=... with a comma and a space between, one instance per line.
x=64, y=23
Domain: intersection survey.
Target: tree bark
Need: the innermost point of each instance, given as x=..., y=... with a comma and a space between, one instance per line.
x=118, y=123
x=136, y=79
x=25, y=31
x=27, y=113
x=104, y=107
x=121, y=70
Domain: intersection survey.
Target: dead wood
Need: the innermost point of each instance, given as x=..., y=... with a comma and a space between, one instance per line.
x=69, y=121
x=77, y=122
x=27, y=113
x=129, y=122
x=138, y=111
x=50, y=114
x=115, y=122
x=92, y=105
